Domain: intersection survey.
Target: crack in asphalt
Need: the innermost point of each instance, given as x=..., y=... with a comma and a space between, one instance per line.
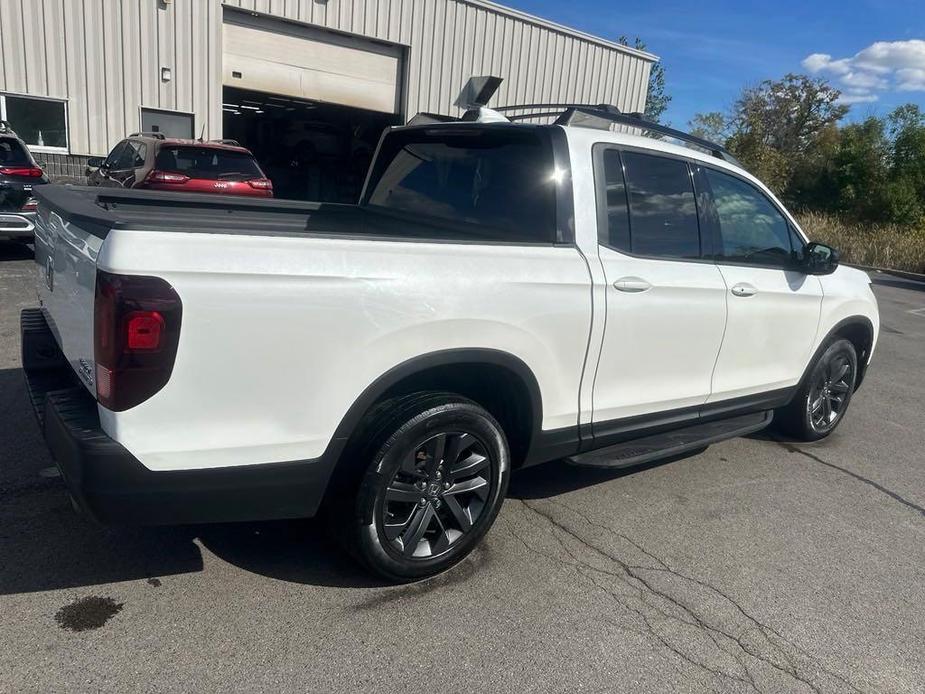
x=752, y=644
x=879, y=487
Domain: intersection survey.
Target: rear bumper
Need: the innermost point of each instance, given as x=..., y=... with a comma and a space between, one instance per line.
x=112, y=486
x=17, y=226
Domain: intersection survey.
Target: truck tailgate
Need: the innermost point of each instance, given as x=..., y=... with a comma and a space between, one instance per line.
x=65, y=257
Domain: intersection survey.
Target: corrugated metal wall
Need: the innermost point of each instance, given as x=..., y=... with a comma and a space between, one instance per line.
x=105, y=56
x=451, y=40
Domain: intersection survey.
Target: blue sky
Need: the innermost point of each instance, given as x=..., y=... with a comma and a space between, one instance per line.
x=874, y=50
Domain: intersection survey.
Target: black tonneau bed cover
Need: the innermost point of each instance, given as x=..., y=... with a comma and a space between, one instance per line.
x=100, y=210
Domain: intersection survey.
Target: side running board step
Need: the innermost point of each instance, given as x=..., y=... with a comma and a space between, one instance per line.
x=671, y=443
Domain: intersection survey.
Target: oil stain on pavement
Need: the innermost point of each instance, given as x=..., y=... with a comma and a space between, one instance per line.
x=87, y=613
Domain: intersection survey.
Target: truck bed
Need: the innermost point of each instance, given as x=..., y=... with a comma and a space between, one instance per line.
x=100, y=210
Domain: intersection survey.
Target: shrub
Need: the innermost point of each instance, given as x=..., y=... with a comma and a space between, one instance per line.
x=877, y=245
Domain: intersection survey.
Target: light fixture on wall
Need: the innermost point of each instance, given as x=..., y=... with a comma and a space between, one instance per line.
x=165, y=74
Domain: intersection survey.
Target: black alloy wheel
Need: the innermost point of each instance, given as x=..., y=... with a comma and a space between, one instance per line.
x=437, y=494
x=437, y=474
x=823, y=397
x=830, y=391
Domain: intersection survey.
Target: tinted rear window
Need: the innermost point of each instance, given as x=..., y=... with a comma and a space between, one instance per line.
x=498, y=182
x=207, y=162
x=12, y=153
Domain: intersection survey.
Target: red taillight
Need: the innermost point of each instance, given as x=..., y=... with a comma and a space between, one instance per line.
x=165, y=177
x=143, y=330
x=261, y=184
x=136, y=332
x=30, y=171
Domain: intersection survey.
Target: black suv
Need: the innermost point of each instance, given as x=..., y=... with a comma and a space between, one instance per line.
x=18, y=175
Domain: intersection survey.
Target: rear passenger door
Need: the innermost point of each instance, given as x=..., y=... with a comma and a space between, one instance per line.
x=666, y=300
x=773, y=307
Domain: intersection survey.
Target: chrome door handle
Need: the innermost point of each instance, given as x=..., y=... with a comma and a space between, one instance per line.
x=743, y=289
x=631, y=284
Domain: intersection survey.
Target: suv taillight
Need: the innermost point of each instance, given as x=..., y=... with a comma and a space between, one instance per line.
x=165, y=177
x=29, y=171
x=260, y=183
x=135, y=335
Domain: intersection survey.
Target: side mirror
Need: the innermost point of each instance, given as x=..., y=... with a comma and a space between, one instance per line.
x=94, y=163
x=819, y=259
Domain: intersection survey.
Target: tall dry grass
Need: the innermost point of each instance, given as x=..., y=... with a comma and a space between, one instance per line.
x=876, y=245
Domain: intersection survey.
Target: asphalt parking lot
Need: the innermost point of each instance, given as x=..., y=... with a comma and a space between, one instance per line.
x=757, y=565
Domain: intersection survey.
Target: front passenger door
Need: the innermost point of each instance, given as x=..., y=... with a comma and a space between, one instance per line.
x=100, y=177
x=131, y=156
x=773, y=307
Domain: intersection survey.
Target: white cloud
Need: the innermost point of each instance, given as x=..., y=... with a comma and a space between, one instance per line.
x=882, y=66
x=857, y=98
x=911, y=79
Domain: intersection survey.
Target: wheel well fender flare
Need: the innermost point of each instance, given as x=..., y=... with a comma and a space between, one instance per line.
x=843, y=327
x=422, y=363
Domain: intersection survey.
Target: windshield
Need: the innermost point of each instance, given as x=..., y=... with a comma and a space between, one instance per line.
x=12, y=153
x=208, y=162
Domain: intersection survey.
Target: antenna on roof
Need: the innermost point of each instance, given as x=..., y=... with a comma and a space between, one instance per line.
x=475, y=96
x=202, y=133
x=478, y=92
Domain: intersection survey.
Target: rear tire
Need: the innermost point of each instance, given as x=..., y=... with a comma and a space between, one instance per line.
x=437, y=473
x=823, y=398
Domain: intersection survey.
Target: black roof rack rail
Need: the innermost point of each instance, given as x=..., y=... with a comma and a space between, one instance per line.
x=227, y=141
x=156, y=136
x=603, y=115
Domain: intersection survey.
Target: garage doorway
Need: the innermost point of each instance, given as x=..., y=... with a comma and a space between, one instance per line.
x=309, y=103
x=309, y=150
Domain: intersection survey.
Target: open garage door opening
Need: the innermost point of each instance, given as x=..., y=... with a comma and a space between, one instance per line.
x=310, y=103
x=309, y=150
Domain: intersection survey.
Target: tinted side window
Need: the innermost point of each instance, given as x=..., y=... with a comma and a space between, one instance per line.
x=615, y=232
x=663, y=213
x=751, y=230
x=139, y=150
x=126, y=158
x=500, y=184
x=115, y=155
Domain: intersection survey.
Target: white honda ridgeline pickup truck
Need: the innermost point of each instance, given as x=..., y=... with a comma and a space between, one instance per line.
x=504, y=294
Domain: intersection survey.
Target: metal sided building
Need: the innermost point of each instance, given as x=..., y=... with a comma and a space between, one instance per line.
x=296, y=81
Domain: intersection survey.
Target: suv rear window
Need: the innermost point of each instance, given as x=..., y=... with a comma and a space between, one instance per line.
x=500, y=181
x=207, y=162
x=12, y=153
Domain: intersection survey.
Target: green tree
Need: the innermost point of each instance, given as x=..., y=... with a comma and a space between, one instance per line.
x=712, y=126
x=905, y=193
x=774, y=125
x=657, y=99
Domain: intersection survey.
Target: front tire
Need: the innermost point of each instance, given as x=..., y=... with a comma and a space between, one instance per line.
x=823, y=398
x=433, y=486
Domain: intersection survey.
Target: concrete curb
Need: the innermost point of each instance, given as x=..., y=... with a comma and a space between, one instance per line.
x=913, y=276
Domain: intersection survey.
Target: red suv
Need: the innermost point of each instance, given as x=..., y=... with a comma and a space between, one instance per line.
x=155, y=162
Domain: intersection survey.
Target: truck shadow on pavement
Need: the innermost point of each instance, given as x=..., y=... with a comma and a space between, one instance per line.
x=45, y=545
x=15, y=251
